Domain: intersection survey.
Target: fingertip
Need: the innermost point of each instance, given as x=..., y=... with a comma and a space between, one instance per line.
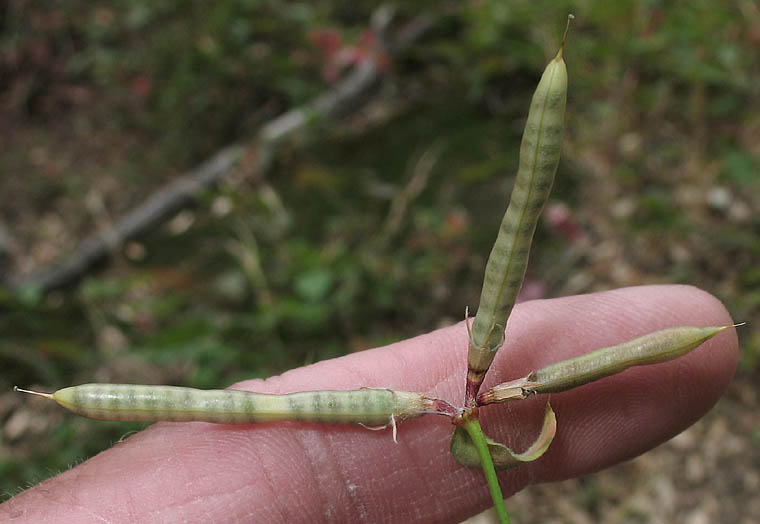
x=620, y=416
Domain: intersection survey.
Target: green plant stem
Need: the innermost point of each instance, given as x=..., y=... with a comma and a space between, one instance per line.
x=472, y=426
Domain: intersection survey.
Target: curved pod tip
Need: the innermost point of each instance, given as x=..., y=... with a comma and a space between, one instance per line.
x=570, y=17
x=30, y=392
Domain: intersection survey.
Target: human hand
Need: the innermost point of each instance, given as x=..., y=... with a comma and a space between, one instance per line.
x=294, y=472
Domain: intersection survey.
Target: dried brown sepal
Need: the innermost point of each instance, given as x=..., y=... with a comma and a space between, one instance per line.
x=518, y=389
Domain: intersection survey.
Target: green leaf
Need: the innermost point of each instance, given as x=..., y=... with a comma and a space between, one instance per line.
x=464, y=451
x=314, y=284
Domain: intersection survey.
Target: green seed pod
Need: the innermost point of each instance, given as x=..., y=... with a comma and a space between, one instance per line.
x=653, y=348
x=505, y=270
x=227, y=406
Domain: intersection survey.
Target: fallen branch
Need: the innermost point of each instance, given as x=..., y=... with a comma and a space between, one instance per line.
x=181, y=192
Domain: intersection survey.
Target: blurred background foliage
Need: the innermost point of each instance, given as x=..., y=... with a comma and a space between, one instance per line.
x=376, y=227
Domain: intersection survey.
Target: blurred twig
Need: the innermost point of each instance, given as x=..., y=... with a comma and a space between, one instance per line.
x=345, y=97
x=245, y=249
x=401, y=201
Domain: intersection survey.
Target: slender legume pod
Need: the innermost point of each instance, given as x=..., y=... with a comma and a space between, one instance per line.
x=505, y=270
x=653, y=348
x=228, y=406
